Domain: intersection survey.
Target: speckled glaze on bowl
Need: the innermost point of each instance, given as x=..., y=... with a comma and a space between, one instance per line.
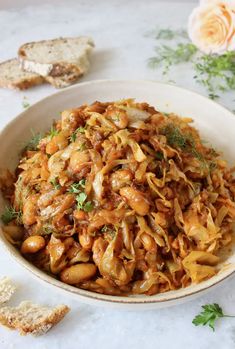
x=216, y=124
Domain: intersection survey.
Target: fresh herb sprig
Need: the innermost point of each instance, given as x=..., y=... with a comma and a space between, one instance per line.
x=9, y=214
x=215, y=72
x=185, y=141
x=34, y=141
x=167, y=56
x=209, y=315
x=53, y=132
x=167, y=34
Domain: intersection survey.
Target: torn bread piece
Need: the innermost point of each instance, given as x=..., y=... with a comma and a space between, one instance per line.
x=60, y=57
x=11, y=76
x=29, y=318
x=63, y=81
x=7, y=289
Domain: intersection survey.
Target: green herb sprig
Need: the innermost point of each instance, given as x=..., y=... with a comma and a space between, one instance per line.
x=34, y=141
x=167, y=34
x=215, y=72
x=209, y=315
x=82, y=204
x=167, y=56
x=53, y=132
x=185, y=141
x=9, y=214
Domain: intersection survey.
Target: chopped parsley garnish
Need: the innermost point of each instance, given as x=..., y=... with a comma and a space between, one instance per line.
x=55, y=183
x=81, y=204
x=106, y=229
x=77, y=187
x=88, y=207
x=83, y=146
x=10, y=213
x=81, y=197
x=74, y=134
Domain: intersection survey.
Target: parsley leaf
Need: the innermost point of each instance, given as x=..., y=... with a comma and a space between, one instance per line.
x=55, y=183
x=81, y=198
x=76, y=187
x=88, y=207
x=208, y=316
x=10, y=213
x=82, y=204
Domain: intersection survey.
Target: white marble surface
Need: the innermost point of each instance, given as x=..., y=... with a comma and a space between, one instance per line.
x=118, y=28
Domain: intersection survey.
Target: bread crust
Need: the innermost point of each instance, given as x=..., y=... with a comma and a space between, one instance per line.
x=20, y=83
x=18, y=318
x=7, y=289
x=55, y=69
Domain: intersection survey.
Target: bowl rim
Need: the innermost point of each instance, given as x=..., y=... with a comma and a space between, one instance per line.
x=131, y=300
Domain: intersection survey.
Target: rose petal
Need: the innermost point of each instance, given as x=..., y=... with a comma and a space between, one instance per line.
x=211, y=26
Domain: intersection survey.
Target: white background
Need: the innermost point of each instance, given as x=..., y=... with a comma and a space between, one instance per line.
x=122, y=50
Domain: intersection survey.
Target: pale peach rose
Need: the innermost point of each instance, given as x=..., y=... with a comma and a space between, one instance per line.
x=211, y=26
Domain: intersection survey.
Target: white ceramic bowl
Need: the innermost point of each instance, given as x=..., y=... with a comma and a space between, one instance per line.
x=216, y=124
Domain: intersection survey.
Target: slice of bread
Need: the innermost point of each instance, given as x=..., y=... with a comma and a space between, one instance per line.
x=7, y=289
x=31, y=318
x=63, y=81
x=63, y=57
x=11, y=76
